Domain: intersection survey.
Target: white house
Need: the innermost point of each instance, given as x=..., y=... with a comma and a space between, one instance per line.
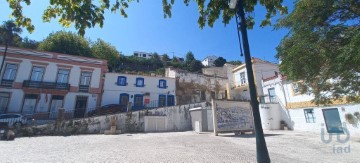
x=142, y=54
x=261, y=69
x=38, y=83
x=283, y=101
x=141, y=91
x=209, y=60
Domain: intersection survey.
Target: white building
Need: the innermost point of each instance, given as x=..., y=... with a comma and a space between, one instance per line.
x=141, y=91
x=283, y=101
x=38, y=83
x=142, y=54
x=209, y=60
x=261, y=69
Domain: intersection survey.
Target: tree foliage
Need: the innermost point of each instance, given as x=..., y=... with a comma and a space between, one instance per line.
x=67, y=43
x=103, y=50
x=9, y=33
x=219, y=62
x=322, y=48
x=235, y=62
x=87, y=13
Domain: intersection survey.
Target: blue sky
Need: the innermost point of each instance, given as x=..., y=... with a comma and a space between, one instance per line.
x=146, y=30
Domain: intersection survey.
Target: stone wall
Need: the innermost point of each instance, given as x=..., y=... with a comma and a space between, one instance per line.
x=177, y=119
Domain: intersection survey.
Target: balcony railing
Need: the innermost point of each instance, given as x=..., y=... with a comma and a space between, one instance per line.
x=83, y=88
x=7, y=83
x=46, y=85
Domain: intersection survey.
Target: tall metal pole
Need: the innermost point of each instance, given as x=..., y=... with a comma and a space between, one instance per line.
x=262, y=154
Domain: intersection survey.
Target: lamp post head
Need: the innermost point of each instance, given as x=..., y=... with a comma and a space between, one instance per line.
x=232, y=4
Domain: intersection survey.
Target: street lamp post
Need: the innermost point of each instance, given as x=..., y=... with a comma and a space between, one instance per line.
x=262, y=154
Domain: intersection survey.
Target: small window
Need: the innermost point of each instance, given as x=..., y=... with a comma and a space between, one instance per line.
x=63, y=76
x=121, y=81
x=309, y=115
x=162, y=100
x=170, y=100
x=138, y=100
x=85, y=78
x=139, y=82
x=144, y=55
x=295, y=87
x=162, y=84
x=242, y=78
x=37, y=73
x=10, y=72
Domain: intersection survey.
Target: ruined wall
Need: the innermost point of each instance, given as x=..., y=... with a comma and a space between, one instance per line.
x=177, y=119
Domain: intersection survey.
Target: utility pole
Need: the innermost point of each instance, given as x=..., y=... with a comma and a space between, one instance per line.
x=262, y=154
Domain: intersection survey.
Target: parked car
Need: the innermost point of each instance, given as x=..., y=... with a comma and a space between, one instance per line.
x=108, y=109
x=13, y=120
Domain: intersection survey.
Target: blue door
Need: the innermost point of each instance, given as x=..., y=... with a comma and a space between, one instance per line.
x=332, y=120
x=138, y=102
x=124, y=100
x=170, y=100
x=162, y=100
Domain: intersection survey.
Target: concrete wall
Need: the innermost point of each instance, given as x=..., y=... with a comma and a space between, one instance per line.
x=176, y=118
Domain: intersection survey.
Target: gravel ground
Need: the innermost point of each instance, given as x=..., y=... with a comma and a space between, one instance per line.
x=283, y=146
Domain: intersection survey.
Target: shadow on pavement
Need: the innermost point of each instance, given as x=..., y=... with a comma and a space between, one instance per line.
x=248, y=135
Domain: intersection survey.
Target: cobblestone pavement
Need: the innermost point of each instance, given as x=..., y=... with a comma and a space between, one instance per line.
x=283, y=146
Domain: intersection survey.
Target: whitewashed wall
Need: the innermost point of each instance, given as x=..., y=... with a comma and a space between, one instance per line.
x=112, y=91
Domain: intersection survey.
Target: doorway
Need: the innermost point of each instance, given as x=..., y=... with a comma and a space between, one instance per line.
x=332, y=120
x=80, y=106
x=124, y=100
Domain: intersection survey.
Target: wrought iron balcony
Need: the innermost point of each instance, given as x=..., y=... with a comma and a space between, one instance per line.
x=46, y=85
x=7, y=83
x=84, y=88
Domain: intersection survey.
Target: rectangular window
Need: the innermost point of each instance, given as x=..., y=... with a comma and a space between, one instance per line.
x=63, y=76
x=37, y=73
x=309, y=115
x=10, y=72
x=295, y=87
x=121, y=81
x=85, y=78
x=242, y=78
x=4, y=101
x=139, y=82
x=29, y=104
x=162, y=84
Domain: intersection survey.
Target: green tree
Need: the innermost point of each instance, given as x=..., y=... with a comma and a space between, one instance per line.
x=155, y=56
x=67, y=43
x=8, y=31
x=189, y=58
x=165, y=58
x=103, y=50
x=235, y=62
x=28, y=43
x=322, y=48
x=219, y=62
x=87, y=14
x=195, y=66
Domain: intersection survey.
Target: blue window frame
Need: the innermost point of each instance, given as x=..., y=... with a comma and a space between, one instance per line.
x=162, y=100
x=170, y=100
x=138, y=102
x=139, y=82
x=121, y=81
x=162, y=84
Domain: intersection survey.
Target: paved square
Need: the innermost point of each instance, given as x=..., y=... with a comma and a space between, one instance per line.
x=283, y=146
